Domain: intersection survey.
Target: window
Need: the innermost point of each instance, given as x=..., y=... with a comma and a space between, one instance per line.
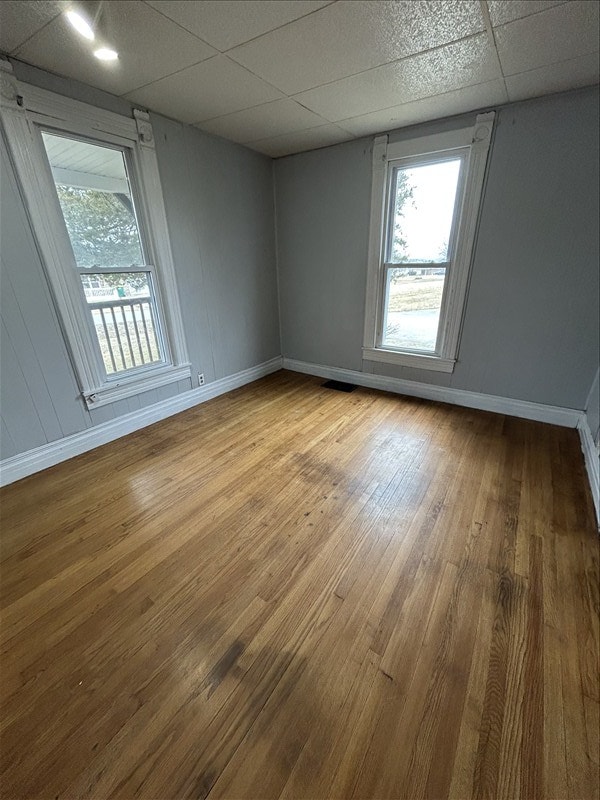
x=425, y=199
x=90, y=182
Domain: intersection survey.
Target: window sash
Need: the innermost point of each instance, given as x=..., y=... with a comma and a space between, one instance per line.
x=393, y=166
x=154, y=304
x=398, y=164
x=473, y=144
x=142, y=228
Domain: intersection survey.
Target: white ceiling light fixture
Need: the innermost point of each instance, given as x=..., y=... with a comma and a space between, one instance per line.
x=106, y=54
x=80, y=24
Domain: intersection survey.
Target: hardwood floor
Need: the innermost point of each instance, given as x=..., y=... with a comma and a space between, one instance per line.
x=292, y=592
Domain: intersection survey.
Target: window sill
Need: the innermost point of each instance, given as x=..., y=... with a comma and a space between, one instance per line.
x=136, y=384
x=434, y=363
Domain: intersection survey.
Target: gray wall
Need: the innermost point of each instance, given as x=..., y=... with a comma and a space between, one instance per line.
x=219, y=203
x=530, y=328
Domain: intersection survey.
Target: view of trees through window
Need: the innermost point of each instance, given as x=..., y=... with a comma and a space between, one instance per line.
x=102, y=229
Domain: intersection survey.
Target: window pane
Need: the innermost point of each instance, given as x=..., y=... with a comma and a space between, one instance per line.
x=423, y=207
x=412, y=309
x=95, y=198
x=122, y=310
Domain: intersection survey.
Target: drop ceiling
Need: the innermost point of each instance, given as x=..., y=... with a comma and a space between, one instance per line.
x=283, y=76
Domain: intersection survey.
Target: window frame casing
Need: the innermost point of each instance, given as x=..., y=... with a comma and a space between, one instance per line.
x=472, y=143
x=25, y=111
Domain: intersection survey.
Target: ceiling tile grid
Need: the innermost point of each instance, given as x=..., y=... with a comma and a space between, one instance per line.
x=227, y=23
x=457, y=101
x=502, y=11
x=149, y=46
x=266, y=121
x=571, y=74
x=298, y=141
x=348, y=37
x=562, y=32
x=434, y=72
x=282, y=76
x=209, y=89
x=19, y=21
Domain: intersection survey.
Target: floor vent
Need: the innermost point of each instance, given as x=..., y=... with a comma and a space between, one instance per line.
x=339, y=386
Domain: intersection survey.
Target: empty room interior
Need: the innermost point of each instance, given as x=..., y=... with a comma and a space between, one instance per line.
x=299, y=399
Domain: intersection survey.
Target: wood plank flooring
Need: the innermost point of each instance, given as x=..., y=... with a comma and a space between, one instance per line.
x=292, y=592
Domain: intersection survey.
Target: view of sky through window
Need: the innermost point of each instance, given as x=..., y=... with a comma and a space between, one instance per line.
x=425, y=197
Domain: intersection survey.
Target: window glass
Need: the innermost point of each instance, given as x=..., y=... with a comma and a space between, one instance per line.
x=422, y=211
x=95, y=197
x=413, y=301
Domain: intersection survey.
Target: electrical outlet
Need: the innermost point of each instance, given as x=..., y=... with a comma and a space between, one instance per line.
x=200, y=379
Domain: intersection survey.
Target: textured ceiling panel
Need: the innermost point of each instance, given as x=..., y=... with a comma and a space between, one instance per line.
x=260, y=122
x=301, y=140
x=435, y=72
x=581, y=71
x=348, y=37
x=207, y=90
x=149, y=46
x=19, y=21
x=301, y=73
x=227, y=23
x=503, y=11
x=456, y=102
x=563, y=32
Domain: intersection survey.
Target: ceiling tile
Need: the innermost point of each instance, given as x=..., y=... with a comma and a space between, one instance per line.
x=582, y=71
x=561, y=33
x=503, y=11
x=459, y=101
x=299, y=141
x=260, y=122
x=149, y=46
x=20, y=19
x=451, y=67
x=207, y=90
x=349, y=37
x=365, y=66
x=227, y=23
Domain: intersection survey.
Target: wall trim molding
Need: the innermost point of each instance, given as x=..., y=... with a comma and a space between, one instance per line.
x=592, y=462
x=567, y=417
x=24, y=464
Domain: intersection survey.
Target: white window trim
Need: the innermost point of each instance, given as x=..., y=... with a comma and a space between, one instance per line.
x=477, y=140
x=23, y=108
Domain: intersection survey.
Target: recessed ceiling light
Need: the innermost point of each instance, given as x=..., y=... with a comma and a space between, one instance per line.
x=80, y=24
x=105, y=54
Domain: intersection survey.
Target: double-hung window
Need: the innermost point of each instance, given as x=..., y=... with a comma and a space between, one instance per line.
x=91, y=185
x=424, y=204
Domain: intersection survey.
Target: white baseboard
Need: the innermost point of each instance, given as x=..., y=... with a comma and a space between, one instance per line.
x=19, y=466
x=567, y=417
x=592, y=462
